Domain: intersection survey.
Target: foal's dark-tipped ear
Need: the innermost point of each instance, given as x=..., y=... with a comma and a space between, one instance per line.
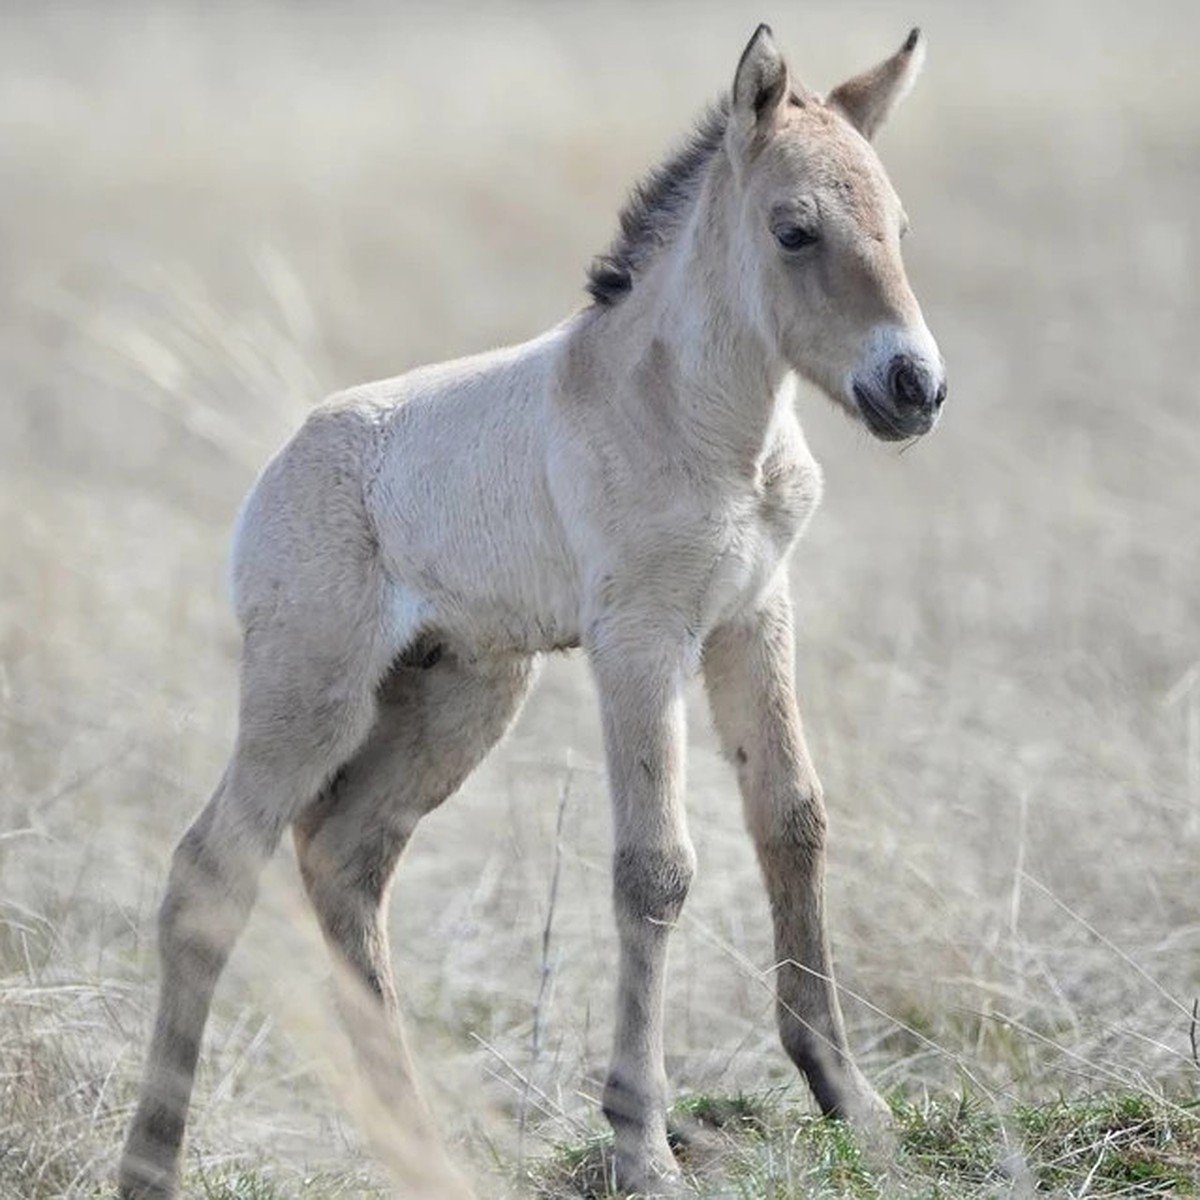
x=867, y=99
x=761, y=80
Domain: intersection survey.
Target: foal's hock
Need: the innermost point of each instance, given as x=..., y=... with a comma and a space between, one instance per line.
x=631, y=482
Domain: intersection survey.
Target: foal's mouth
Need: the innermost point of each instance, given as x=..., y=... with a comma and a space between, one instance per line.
x=888, y=425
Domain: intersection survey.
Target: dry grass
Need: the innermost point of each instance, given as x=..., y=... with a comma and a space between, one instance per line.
x=213, y=216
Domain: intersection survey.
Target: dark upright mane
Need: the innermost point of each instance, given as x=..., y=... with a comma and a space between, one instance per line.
x=656, y=207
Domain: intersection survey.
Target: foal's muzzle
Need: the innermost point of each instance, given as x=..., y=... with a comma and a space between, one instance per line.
x=907, y=406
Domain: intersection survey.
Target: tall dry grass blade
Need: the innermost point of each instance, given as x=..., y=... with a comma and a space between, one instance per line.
x=535, y=1036
x=1108, y=943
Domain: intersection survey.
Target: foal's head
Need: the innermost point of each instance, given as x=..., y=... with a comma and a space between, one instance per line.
x=817, y=237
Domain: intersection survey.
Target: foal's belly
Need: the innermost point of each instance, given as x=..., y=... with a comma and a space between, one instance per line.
x=487, y=604
x=482, y=560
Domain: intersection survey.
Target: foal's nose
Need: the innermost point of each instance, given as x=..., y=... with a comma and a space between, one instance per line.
x=913, y=388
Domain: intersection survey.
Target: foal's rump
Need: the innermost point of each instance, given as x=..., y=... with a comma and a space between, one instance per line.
x=303, y=536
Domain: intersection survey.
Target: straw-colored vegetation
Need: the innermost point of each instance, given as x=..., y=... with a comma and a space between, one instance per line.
x=212, y=215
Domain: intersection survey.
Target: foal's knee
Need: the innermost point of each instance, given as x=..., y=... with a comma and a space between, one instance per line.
x=790, y=836
x=792, y=824
x=651, y=882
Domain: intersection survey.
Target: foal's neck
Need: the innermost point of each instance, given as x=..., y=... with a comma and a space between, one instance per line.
x=690, y=346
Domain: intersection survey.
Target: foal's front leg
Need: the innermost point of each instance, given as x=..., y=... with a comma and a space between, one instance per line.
x=653, y=863
x=748, y=670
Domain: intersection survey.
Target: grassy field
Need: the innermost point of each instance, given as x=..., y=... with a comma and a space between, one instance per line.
x=210, y=216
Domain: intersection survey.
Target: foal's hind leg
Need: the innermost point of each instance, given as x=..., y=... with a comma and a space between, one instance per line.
x=748, y=671
x=299, y=721
x=434, y=725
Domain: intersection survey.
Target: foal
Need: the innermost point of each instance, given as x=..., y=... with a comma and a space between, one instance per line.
x=632, y=482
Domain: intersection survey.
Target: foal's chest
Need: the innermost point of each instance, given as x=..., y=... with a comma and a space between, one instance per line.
x=764, y=521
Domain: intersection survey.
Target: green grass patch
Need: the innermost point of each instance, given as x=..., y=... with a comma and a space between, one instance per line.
x=1127, y=1145
x=252, y=1183
x=763, y=1148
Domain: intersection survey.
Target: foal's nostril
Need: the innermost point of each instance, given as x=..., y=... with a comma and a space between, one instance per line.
x=940, y=398
x=907, y=384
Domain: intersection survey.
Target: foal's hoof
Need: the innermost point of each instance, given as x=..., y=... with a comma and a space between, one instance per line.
x=872, y=1121
x=662, y=1188
x=648, y=1180
x=849, y=1097
x=869, y=1113
x=141, y=1175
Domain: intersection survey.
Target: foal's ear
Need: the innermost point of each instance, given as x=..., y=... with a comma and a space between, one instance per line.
x=761, y=80
x=867, y=99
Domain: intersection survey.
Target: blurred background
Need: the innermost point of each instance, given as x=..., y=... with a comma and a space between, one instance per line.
x=213, y=215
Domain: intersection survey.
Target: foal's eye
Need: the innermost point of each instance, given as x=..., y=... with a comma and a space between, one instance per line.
x=795, y=237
